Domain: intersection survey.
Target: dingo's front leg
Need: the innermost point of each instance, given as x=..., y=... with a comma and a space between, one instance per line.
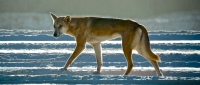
x=97, y=49
x=80, y=46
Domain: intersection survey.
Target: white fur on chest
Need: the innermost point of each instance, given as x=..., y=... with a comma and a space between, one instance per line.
x=98, y=39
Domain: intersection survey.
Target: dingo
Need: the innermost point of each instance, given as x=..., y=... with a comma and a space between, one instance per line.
x=94, y=30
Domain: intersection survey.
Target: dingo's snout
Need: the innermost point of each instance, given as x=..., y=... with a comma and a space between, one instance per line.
x=55, y=34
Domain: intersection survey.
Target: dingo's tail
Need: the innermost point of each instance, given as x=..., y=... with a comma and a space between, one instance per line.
x=144, y=48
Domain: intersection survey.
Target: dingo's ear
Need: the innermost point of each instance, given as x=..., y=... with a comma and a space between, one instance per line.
x=53, y=16
x=67, y=19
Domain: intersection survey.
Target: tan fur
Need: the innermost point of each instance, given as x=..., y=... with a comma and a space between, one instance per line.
x=94, y=30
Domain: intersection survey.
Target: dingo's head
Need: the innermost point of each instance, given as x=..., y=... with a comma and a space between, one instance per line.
x=60, y=24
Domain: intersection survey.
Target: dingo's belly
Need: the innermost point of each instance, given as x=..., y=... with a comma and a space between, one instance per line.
x=97, y=39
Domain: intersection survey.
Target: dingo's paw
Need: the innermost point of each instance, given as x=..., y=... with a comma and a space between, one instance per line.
x=62, y=69
x=97, y=72
x=160, y=74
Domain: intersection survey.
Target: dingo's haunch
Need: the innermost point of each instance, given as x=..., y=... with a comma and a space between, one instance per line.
x=94, y=30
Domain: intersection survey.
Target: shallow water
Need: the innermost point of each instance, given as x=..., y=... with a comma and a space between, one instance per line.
x=37, y=57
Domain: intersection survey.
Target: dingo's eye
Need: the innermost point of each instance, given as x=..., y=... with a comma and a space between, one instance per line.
x=60, y=26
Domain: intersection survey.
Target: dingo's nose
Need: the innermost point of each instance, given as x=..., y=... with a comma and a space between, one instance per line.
x=55, y=35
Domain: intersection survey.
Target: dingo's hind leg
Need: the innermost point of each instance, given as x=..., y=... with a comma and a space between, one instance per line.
x=128, y=55
x=127, y=40
x=155, y=64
